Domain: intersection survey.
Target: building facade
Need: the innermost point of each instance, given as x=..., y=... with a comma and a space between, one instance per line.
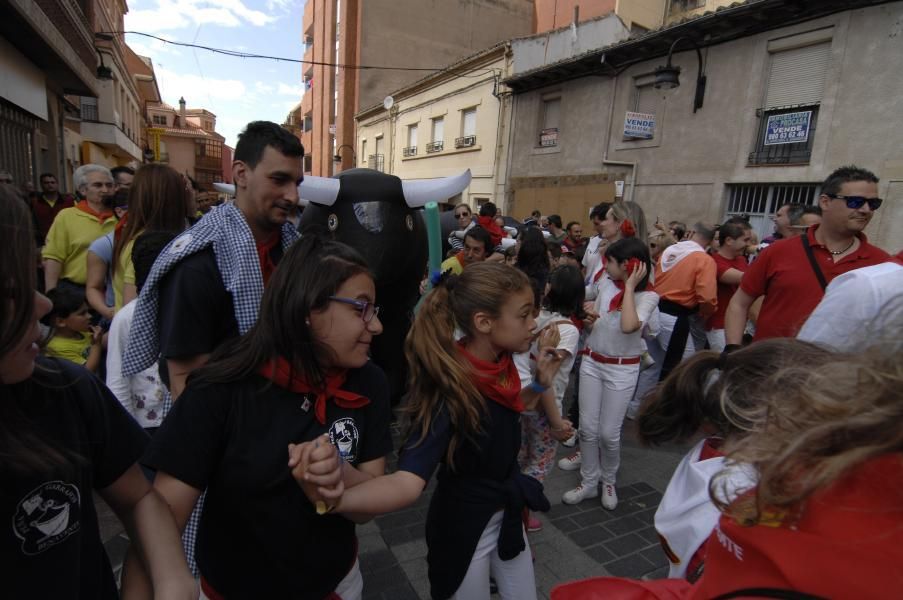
x=408, y=34
x=444, y=124
x=186, y=139
x=782, y=105
x=46, y=51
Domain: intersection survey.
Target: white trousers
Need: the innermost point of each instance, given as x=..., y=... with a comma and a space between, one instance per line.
x=605, y=392
x=716, y=339
x=514, y=577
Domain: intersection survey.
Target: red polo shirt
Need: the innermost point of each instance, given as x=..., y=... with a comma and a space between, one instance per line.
x=783, y=274
x=45, y=213
x=725, y=291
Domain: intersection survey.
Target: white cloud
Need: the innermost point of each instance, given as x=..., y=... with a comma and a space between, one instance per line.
x=179, y=14
x=152, y=48
x=290, y=90
x=199, y=92
x=263, y=88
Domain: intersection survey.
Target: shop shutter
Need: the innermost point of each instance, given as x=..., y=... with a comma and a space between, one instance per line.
x=798, y=76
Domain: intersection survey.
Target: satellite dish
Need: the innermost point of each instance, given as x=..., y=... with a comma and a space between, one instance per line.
x=388, y=102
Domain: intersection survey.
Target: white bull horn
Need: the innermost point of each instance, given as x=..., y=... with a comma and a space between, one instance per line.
x=319, y=190
x=507, y=243
x=418, y=193
x=224, y=188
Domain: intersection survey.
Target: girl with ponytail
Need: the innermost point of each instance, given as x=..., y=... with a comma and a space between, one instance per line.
x=714, y=393
x=465, y=406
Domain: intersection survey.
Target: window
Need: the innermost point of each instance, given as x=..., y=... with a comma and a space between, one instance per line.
x=796, y=82
x=679, y=6
x=645, y=101
x=468, y=129
x=159, y=120
x=377, y=161
x=364, y=149
x=411, y=149
x=437, y=136
x=760, y=202
x=549, y=121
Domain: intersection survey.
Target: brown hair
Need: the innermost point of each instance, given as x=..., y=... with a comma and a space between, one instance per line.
x=721, y=390
x=158, y=201
x=21, y=448
x=621, y=210
x=438, y=374
x=841, y=414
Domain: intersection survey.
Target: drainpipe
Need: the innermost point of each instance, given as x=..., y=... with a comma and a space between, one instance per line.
x=635, y=165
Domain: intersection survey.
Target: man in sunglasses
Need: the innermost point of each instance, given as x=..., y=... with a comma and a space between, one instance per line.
x=792, y=273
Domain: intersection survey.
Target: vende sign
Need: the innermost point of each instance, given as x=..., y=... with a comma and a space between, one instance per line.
x=788, y=128
x=639, y=125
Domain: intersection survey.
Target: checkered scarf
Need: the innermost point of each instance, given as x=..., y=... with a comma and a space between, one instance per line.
x=226, y=230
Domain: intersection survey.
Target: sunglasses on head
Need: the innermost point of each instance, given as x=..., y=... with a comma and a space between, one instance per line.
x=857, y=201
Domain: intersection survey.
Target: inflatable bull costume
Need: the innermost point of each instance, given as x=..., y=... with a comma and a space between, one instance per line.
x=379, y=215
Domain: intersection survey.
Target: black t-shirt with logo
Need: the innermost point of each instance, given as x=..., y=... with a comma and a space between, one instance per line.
x=259, y=536
x=50, y=546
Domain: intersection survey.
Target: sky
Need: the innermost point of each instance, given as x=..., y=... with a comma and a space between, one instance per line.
x=236, y=90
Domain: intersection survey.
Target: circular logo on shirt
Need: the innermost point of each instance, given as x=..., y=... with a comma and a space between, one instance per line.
x=344, y=434
x=179, y=243
x=46, y=516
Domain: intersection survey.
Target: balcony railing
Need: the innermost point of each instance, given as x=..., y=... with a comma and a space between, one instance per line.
x=783, y=153
x=89, y=113
x=208, y=162
x=435, y=147
x=409, y=151
x=376, y=162
x=466, y=142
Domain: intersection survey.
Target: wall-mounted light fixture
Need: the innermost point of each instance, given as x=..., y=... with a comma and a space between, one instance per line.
x=337, y=157
x=103, y=71
x=667, y=77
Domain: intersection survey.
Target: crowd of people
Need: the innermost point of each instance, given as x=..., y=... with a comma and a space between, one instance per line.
x=235, y=422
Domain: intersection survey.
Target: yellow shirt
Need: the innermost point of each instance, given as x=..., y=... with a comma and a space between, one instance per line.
x=72, y=232
x=452, y=264
x=124, y=273
x=72, y=349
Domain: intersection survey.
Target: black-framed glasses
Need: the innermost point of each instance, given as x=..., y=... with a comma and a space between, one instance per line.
x=855, y=202
x=367, y=309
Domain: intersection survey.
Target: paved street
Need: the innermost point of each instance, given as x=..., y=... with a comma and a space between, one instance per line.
x=576, y=541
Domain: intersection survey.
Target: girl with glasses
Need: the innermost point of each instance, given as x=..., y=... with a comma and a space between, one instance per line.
x=465, y=406
x=463, y=222
x=64, y=436
x=298, y=386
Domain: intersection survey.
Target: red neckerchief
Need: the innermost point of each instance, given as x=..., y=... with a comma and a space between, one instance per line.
x=495, y=232
x=601, y=271
x=267, y=266
x=117, y=231
x=499, y=381
x=100, y=216
x=578, y=323
x=279, y=371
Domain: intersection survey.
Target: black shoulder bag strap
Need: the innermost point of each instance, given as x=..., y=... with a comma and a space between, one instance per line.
x=818, y=273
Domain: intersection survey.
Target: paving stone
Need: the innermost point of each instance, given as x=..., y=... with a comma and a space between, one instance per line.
x=370, y=542
x=564, y=510
x=647, y=516
x=623, y=525
x=628, y=492
x=655, y=555
x=400, y=519
x=382, y=580
x=660, y=573
x=591, y=517
x=626, y=544
x=393, y=537
x=600, y=554
x=566, y=524
x=588, y=536
x=643, y=487
x=652, y=499
x=417, y=532
x=634, y=566
x=377, y=561
x=400, y=592
x=410, y=550
x=649, y=534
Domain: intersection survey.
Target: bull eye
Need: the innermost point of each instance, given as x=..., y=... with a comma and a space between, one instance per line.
x=409, y=222
x=332, y=222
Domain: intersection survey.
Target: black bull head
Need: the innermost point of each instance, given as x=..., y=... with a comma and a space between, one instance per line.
x=379, y=215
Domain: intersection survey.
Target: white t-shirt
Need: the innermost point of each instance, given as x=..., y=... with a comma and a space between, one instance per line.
x=857, y=308
x=570, y=336
x=592, y=264
x=606, y=337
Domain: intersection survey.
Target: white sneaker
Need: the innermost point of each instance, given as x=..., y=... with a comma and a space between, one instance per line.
x=571, y=462
x=570, y=442
x=579, y=494
x=609, y=496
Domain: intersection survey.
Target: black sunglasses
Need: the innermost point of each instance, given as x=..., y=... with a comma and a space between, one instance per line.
x=855, y=202
x=465, y=214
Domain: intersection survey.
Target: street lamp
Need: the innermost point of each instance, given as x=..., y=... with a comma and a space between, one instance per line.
x=668, y=76
x=337, y=157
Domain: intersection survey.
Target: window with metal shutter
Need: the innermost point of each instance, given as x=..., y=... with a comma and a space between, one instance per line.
x=646, y=99
x=798, y=76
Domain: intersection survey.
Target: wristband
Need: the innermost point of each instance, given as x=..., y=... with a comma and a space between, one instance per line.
x=537, y=387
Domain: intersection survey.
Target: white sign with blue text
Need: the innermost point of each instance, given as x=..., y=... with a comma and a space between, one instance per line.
x=788, y=128
x=639, y=125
